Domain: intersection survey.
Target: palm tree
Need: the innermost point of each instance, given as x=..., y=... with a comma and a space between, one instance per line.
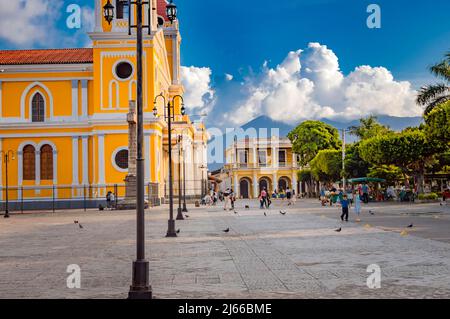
x=435, y=94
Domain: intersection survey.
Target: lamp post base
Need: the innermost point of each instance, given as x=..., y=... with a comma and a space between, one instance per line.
x=6, y=215
x=171, y=231
x=184, y=208
x=180, y=214
x=140, y=288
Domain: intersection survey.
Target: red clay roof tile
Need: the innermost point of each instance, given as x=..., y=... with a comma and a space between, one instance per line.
x=46, y=56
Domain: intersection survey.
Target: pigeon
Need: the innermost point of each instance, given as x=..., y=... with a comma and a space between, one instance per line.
x=282, y=213
x=81, y=226
x=227, y=230
x=410, y=226
x=75, y=221
x=265, y=214
x=235, y=212
x=247, y=207
x=178, y=231
x=441, y=204
x=338, y=230
x=371, y=212
x=187, y=216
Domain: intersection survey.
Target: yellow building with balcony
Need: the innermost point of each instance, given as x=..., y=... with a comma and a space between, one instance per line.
x=63, y=112
x=256, y=163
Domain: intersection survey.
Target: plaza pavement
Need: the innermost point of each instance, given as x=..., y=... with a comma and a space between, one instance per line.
x=298, y=255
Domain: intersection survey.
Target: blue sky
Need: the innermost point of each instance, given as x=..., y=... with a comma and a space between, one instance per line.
x=237, y=37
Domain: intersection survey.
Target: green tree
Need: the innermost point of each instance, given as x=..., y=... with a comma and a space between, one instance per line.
x=310, y=137
x=327, y=165
x=355, y=166
x=437, y=125
x=433, y=95
x=368, y=127
x=390, y=173
x=409, y=150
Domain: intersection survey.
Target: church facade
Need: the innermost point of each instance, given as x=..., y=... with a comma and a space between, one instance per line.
x=63, y=114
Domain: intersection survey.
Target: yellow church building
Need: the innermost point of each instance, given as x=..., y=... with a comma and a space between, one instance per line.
x=63, y=115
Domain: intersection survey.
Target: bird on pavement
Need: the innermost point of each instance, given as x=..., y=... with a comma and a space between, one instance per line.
x=371, y=212
x=227, y=230
x=282, y=213
x=247, y=207
x=75, y=221
x=338, y=230
x=235, y=212
x=178, y=231
x=265, y=214
x=81, y=226
x=187, y=216
x=410, y=226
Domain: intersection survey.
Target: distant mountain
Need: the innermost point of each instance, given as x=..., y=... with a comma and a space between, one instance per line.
x=265, y=122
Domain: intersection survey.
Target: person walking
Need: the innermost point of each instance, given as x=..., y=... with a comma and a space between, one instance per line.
x=344, y=204
x=365, y=192
x=232, y=198
x=227, y=199
x=108, y=200
x=263, y=199
x=289, y=196
x=357, y=206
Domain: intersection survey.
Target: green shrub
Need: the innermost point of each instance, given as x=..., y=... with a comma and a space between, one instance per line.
x=429, y=196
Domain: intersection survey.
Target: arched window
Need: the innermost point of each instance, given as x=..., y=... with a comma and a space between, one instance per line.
x=29, y=163
x=37, y=108
x=46, y=162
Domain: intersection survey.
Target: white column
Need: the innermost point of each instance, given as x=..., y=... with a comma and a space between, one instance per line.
x=101, y=159
x=84, y=98
x=294, y=182
x=175, y=60
x=275, y=182
x=255, y=157
x=75, y=99
x=147, y=157
x=274, y=156
x=255, y=186
x=75, y=179
x=294, y=160
x=98, y=16
x=85, y=160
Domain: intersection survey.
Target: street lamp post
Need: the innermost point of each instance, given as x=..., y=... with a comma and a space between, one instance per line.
x=180, y=210
x=7, y=156
x=140, y=288
x=169, y=117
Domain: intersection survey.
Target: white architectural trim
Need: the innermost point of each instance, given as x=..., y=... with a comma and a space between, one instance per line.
x=84, y=98
x=24, y=95
x=75, y=153
x=147, y=157
x=68, y=134
x=113, y=158
x=113, y=83
x=75, y=98
x=47, y=79
x=1, y=167
x=85, y=159
x=101, y=159
x=130, y=89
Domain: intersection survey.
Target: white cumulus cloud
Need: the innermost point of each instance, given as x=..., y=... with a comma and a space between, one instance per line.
x=198, y=94
x=309, y=84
